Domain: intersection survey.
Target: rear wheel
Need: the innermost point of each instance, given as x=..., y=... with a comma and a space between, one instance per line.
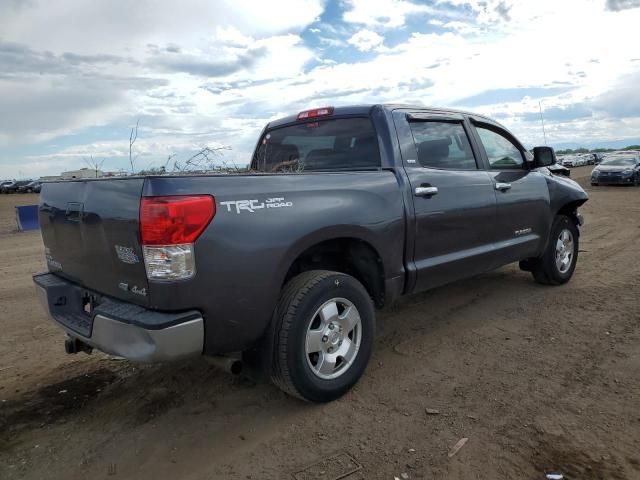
x=323, y=330
x=558, y=262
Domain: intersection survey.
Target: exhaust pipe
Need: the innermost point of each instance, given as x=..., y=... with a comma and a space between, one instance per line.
x=230, y=365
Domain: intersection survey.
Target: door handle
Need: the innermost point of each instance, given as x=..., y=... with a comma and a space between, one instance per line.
x=426, y=191
x=503, y=187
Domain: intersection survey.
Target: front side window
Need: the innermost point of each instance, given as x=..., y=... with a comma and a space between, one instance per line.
x=501, y=152
x=442, y=145
x=325, y=145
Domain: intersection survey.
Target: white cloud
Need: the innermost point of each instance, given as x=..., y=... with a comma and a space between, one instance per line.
x=117, y=25
x=487, y=11
x=387, y=13
x=54, y=81
x=461, y=27
x=196, y=78
x=366, y=40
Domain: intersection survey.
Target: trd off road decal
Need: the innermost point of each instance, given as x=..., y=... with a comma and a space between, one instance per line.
x=253, y=205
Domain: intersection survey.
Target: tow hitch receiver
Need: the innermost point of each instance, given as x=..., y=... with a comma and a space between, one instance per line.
x=73, y=345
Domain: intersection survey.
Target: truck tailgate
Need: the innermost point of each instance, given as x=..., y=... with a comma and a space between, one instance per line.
x=91, y=235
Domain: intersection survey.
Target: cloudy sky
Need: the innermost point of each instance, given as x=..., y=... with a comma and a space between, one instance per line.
x=75, y=75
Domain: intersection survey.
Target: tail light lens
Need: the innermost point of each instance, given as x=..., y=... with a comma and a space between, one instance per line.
x=175, y=220
x=168, y=228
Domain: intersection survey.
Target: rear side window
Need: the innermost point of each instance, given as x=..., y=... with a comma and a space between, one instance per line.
x=501, y=152
x=442, y=145
x=325, y=145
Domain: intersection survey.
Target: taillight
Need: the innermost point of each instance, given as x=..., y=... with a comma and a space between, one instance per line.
x=174, y=220
x=168, y=228
x=316, y=112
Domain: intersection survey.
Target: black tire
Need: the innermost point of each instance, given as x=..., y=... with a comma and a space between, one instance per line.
x=545, y=269
x=301, y=298
x=594, y=184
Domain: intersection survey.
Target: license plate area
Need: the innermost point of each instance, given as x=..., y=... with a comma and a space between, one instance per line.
x=70, y=305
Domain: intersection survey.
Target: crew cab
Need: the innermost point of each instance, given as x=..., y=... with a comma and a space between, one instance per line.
x=342, y=211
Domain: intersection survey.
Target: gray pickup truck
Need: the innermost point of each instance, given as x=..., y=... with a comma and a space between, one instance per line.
x=342, y=211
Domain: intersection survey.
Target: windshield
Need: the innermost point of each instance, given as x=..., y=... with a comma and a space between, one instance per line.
x=325, y=145
x=624, y=162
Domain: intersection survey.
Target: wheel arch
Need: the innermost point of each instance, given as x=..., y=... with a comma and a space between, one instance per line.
x=352, y=251
x=570, y=209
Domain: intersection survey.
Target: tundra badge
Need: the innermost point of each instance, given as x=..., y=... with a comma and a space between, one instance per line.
x=522, y=231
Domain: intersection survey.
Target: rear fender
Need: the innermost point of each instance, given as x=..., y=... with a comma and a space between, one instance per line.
x=322, y=235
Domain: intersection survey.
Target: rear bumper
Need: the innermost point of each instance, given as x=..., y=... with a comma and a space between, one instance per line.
x=120, y=328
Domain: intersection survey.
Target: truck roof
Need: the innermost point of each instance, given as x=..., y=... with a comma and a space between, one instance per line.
x=365, y=109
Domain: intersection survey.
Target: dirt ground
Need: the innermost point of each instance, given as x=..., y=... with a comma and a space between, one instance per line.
x=537, y=378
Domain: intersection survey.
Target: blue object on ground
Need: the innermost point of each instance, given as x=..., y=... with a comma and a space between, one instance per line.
x=27, y=217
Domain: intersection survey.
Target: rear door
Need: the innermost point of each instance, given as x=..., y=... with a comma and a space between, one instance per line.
x=91, y=235
x=453, y=199
x=522, y=195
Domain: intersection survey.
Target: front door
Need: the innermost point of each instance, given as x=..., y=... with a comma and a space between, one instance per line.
x=522, y=196
x=453, y=199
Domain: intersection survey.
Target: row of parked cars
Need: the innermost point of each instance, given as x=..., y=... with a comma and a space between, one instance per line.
x=20, y=186
x=580, y=160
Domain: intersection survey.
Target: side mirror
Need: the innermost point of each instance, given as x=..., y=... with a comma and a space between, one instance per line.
x=544, y=157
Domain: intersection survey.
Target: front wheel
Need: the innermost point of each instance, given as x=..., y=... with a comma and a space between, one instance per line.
x=322, y=332
x=558, y=262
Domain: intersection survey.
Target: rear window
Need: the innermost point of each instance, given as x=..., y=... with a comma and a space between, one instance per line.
x=325, y=145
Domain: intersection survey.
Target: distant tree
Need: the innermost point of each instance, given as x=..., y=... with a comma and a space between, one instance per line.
x=133, y=136
x=568, y=151
x=95, y=165
x=153, y=171
x=207, y=159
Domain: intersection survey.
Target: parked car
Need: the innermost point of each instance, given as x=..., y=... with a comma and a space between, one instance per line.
x=344, y=210
x=31, y=187
x=14, y=186
x=617, y=170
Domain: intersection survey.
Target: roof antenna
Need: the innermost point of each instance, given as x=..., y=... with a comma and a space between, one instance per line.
x=542, y=121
